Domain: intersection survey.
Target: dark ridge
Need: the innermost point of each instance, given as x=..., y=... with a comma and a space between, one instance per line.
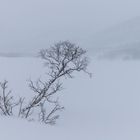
x=17, y=54
x=129, y=51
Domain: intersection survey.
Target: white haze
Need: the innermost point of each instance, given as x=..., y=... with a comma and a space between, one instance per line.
x=27, y=26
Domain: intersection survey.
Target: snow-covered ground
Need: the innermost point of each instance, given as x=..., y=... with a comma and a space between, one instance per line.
x=106, y=107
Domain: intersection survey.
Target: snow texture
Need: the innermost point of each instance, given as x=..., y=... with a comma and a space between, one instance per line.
x=106, y=107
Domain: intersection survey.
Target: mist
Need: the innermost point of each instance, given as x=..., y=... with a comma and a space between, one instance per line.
x=104, y=103
x=29, y=25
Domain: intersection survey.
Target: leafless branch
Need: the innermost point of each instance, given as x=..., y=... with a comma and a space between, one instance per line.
x=62, y=60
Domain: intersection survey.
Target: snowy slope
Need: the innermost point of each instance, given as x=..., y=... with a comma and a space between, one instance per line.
x=106, y=107
x=119, y=41
x=124, y=33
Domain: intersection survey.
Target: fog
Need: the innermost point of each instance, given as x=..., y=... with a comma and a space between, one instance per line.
x=103, y=107
x=29, y=25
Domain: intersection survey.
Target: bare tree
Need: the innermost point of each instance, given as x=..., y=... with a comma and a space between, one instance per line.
x=7, y=101
x=62, y=60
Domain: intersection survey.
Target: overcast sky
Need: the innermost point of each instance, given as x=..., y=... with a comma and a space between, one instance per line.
x=28, y=25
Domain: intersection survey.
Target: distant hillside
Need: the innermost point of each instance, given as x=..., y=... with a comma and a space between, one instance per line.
x=16, y=54
x=131, y=51
x=120, y=41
